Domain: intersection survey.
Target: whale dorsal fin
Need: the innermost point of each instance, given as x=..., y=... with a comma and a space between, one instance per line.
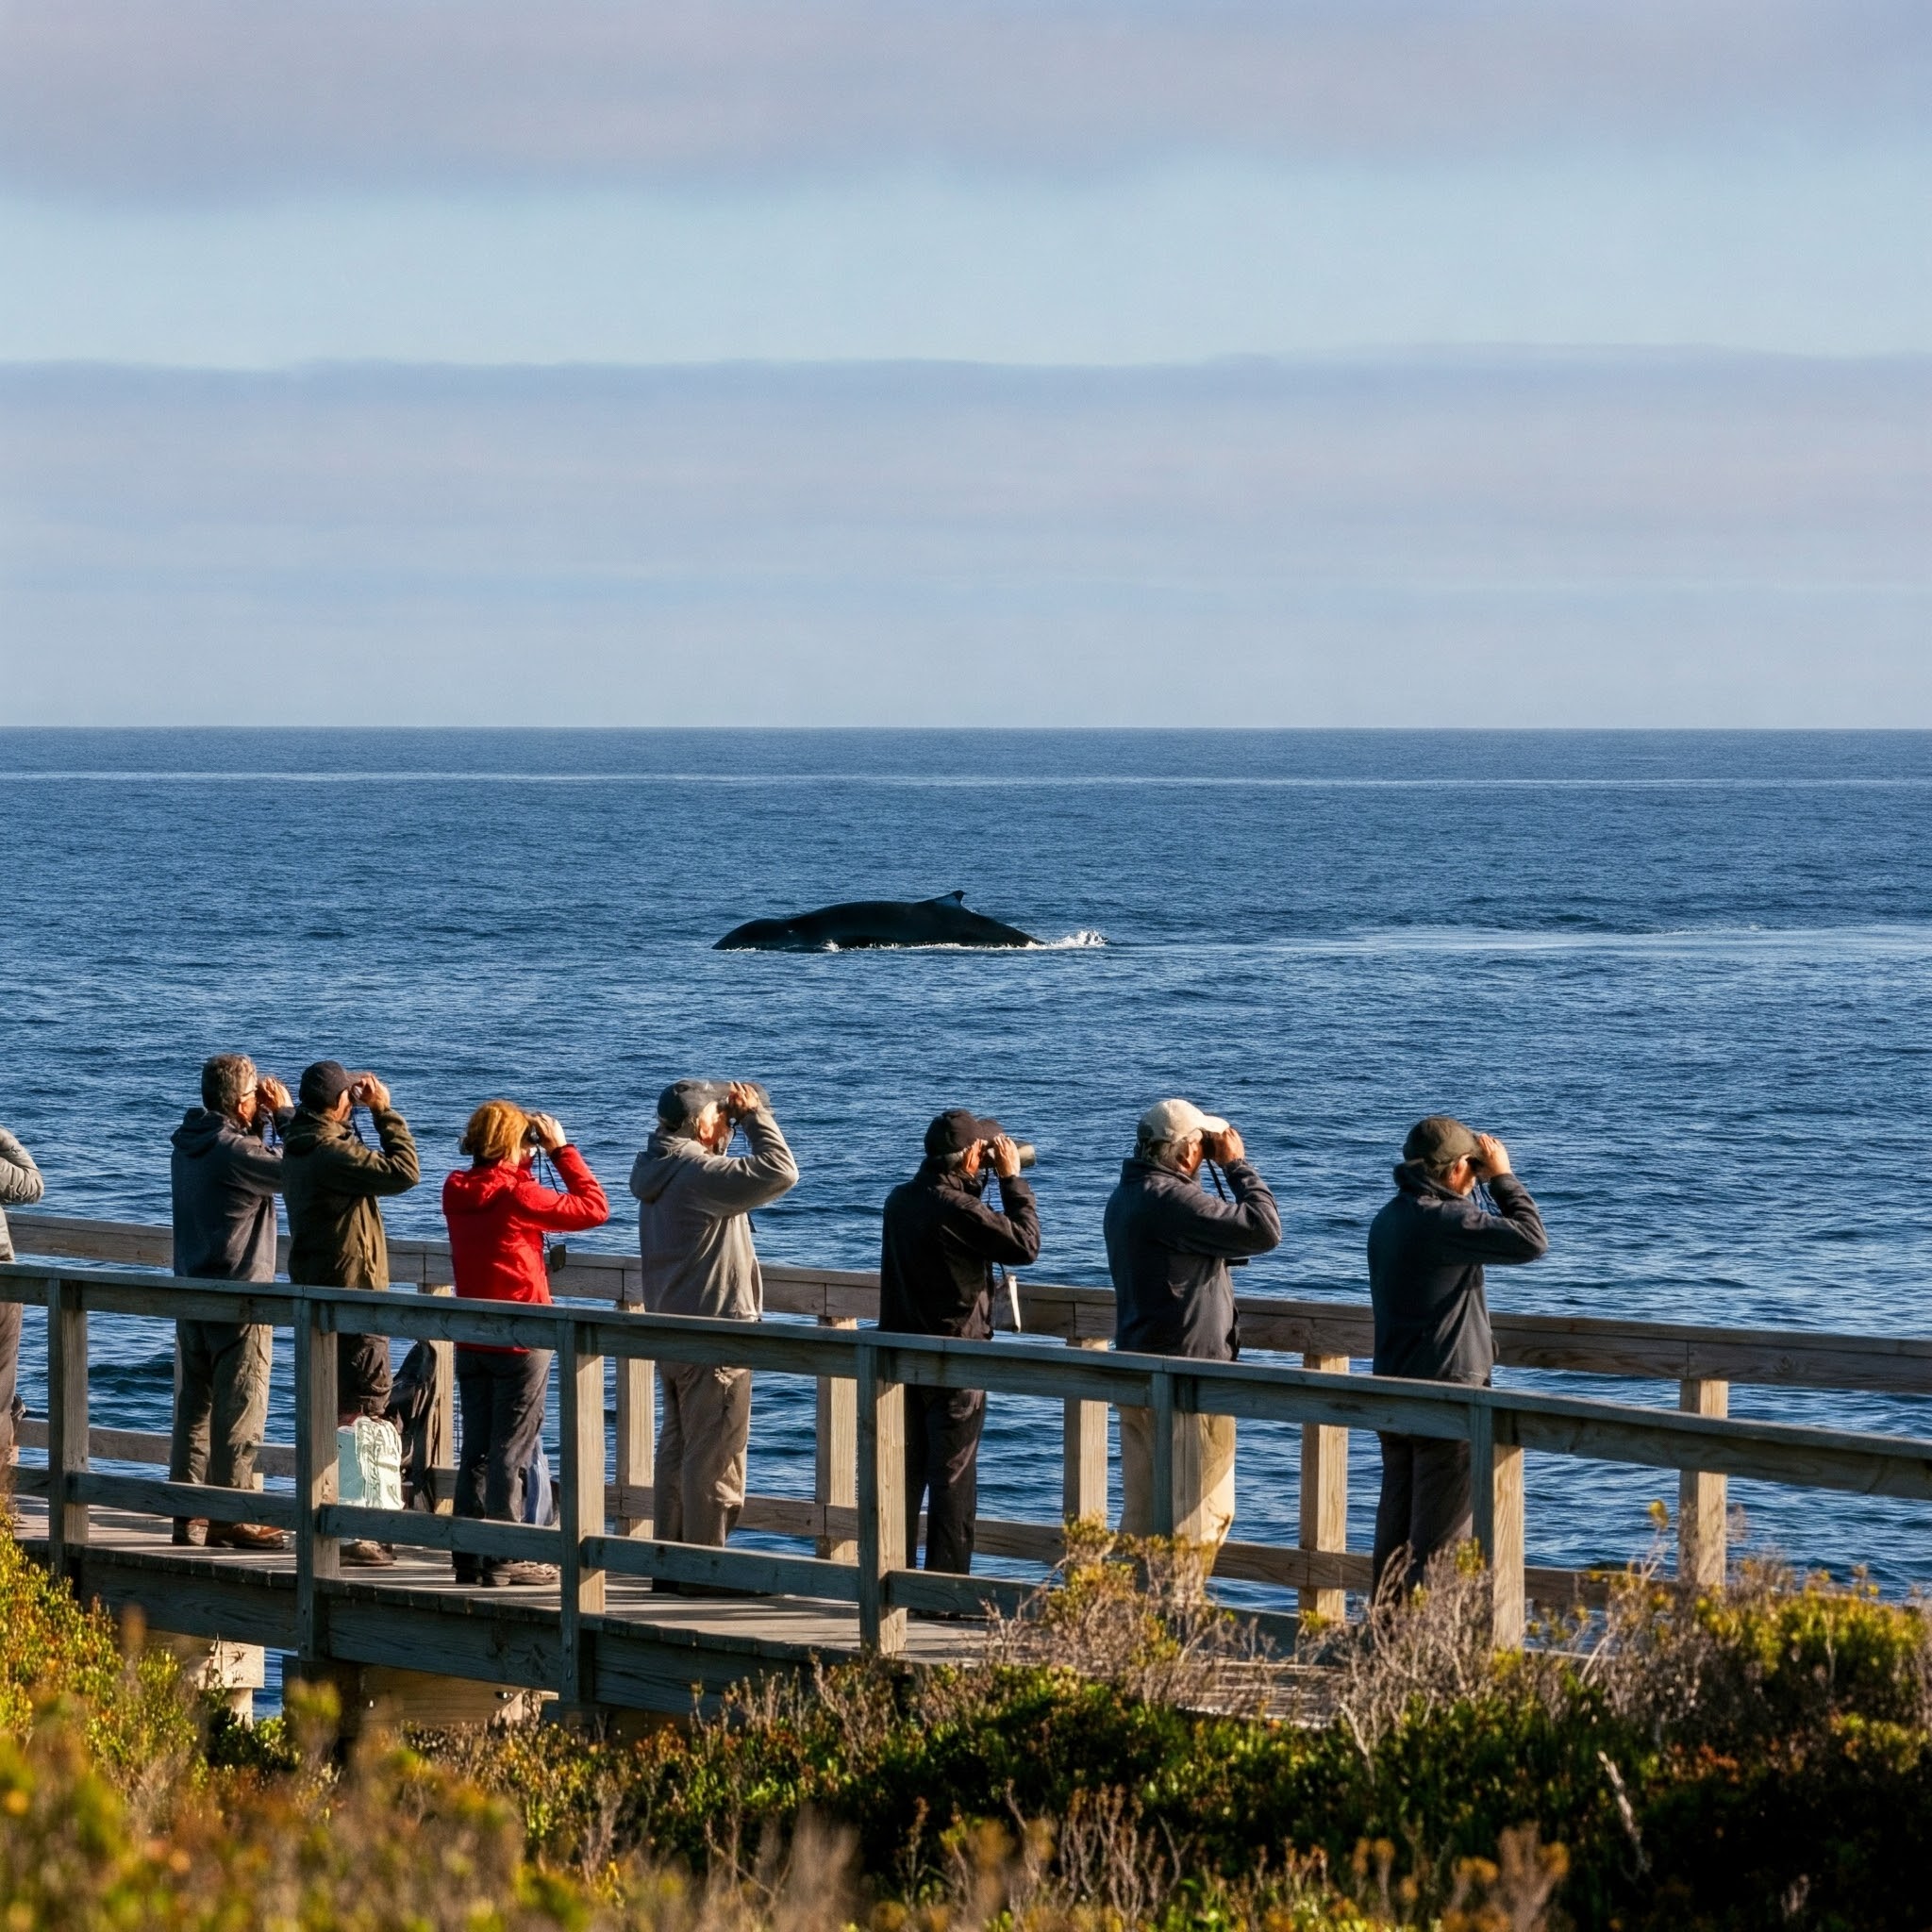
x=948, y=899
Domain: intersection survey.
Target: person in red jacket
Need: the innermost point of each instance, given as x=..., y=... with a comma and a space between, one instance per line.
x=498, y=1215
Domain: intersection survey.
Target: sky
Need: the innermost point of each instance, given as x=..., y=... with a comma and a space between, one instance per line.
x=1537, y=239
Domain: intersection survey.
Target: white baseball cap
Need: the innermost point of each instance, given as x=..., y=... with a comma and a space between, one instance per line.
x=1175, y=1120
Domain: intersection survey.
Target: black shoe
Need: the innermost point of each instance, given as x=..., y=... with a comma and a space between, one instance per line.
x=465, y=1570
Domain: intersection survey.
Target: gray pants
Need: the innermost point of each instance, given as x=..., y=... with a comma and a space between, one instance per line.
x=1425, y=1505
x=700, y=1440
x=221, y=1404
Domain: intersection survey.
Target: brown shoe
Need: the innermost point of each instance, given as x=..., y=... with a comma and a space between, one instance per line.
x=245, y=1536
x=367, y=1555
x=520, y=1576
x=190, y=1532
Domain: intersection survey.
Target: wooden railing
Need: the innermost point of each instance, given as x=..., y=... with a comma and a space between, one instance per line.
x=869, y=1570
x=1329, y=1336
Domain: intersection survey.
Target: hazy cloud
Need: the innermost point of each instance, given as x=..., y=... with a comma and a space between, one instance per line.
x=1508, y=540
x=134, y=97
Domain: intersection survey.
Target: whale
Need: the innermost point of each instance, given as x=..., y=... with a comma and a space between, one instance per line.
x=866, y=923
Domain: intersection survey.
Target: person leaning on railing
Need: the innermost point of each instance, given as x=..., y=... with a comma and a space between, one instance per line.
x=1169, y=1243
x=695, y=1237
x=224, y=1178
x=498, y=1213
x=20, y=1186
x=1426, y=1251
x=936, y=1252
x=332, y=1182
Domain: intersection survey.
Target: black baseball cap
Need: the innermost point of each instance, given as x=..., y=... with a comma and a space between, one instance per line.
x=323, y=1084
x=1439, y=1142
x=958, y=1129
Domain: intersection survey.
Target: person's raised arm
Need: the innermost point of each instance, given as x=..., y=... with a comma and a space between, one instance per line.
x=1012, y=1238
x=20, y=1180
x=391, y=1169
x=1198, y=1223
x=736, y=1184
x=1515, y=1232
x=583, y=1203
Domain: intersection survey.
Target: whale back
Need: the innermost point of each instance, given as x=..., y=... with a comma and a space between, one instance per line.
x=861, y=924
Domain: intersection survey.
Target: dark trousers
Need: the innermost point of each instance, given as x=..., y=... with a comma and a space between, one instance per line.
x=501, y=1392
x=943, y=1428
x=1425, y=1504
x=363, y=1377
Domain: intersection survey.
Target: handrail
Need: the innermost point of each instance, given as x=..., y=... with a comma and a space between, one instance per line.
x=1598, y=1345
x=1498, y=1425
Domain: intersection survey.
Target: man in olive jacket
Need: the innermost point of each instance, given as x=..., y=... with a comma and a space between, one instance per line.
x=331, y=1183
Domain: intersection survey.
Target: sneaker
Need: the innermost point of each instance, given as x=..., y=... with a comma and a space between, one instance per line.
x=465, y=1569
x=190, y=1532
x=519, y=1576
x=367, y=1555
x=245, y=1536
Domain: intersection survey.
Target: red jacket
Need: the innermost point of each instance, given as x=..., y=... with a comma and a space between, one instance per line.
x=498, y=1216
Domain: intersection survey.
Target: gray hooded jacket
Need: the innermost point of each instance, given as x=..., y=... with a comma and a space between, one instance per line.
x=20, y=1185
x=692, y=1228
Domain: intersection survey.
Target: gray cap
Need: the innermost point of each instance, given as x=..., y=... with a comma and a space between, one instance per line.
x=684, y=1099
x=1439, y=1142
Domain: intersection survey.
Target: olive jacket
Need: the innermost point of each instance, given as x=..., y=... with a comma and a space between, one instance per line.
x=331, y=1183
x=20, y=1185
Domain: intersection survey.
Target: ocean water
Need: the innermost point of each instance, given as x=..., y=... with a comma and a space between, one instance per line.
x=1687, y=976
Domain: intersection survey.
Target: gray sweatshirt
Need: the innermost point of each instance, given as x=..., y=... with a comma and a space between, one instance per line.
x=20, y=1185
x=692, y=1225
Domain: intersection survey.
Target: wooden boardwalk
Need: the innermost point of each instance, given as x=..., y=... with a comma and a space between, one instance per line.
x=604, y=1638
x=661, y=1653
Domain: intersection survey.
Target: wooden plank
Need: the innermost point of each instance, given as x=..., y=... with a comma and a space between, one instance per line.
x=193, y=1596
x=835, y=1458
x=318, y=1556
x=1701, y=1496
x=881, y=1502
x=1164, y=1506
x=67, y=1424
x=1324, y=1496
x=417, y=1529
x=1083, y=1456
x=581, y=1510
x=152, y=1496
x=758, y=1571
x=950, y=1596
x=493, y=1644
x=1496, y=1485
x=633, y=1498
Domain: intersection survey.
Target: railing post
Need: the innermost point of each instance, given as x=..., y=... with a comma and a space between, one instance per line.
x=317, y=1555
x=1161, y=1503
x=835, y=1483
x=66, y=1422
x=1496, y=1473
x=430, y=1482
x=580, y=1514
x=1324, y=1497
x=1702, y=1496
x=635, y=1472
x=1083, y=1463
x=881, y=1492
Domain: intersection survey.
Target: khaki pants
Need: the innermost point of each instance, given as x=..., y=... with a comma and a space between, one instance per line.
x=221, y=1402
x=1203, y=1467
x=701, y=1439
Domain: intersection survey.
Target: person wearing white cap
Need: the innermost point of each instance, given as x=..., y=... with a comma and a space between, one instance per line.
x=1169, y=1243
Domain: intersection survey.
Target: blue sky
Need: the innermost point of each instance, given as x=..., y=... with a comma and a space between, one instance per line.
x=214, y=185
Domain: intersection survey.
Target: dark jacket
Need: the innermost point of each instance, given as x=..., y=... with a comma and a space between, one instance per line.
x=20, y=1185
x=225, y=1181
x=937, y=1249
x=1168, y=1245
x=331, y=1181
x=1426, y=1250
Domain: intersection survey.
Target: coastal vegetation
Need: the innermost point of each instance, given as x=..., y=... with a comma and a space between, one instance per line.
x=1125, y=1756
